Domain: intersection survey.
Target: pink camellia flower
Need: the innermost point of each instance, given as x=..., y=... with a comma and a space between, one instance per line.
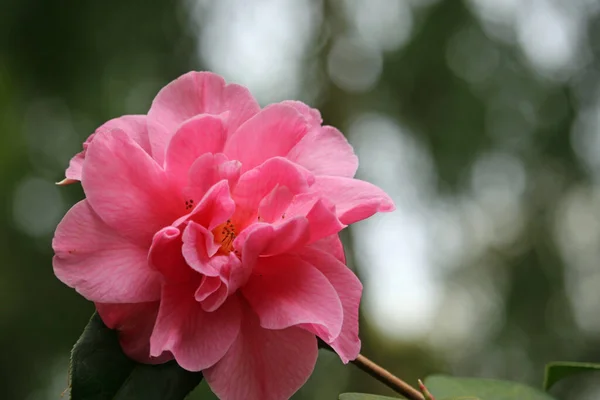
x=209, y=234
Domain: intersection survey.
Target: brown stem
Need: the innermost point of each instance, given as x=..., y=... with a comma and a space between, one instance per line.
x=387, y=378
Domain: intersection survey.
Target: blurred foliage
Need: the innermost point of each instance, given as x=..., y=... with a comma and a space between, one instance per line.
x=66, y=67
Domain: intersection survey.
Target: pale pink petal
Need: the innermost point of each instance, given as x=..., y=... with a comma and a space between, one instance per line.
x=234, y=273
x=273, y=132
x=127, y=189
x=207, y=171
x=272, y=207
x=285, y=291
x=349, y=289
x=73, y=172
x=325, y=151
x=99, y=263
x=208, y=286
x=263, y=364
x=198, y=249
x=354, y=199
x=312, y=115
x=320, y=213
x=213, y=290
x=215, y=207
x=197, y=136
x=134, y=323
x=332, y=245
x=196, y=338
x=215, y=300
x=165, y=256
x=257, y=183
x=192, y=94
x=133, y=125
x=201, y=254
x=262, y=239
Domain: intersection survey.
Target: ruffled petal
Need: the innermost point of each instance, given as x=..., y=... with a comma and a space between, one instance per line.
x=197, y=136
x=134, y=323
x=127, y=189
x=263, y=364
x=73, y=172
x=213, y=209
x=272, y=207
x=206, y=171
x=201, y=254
x=257, y=183
x=349, y=290
x=320, y=213
x=99, y=263
x=332, y=245
x=354, y=199
x=196, y=338
x=273, y=132
x=192, y=94
x=286, y=291
x=198, y=249
x=281, y=205
x=165, y=256
x=133, y=125
x=312, y=115
x=325, y=151
x=263, y=239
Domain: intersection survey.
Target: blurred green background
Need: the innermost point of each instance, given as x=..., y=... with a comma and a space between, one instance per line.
x=480, y=118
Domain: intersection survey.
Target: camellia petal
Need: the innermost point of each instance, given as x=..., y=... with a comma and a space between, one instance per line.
x=73, y=172
x=266, y=364
x=214, y=208
x=320, y=213
x=332, y=245
x=135, y=323
x=198, y=248
x=285, y=291
x=267, y=239
x=165, y=255
x=256, y=184
x=354, y=199
x=196, y=338
x=127, y=189
x=198, y=136
x=99, y=263
x=312, y=116
x=193, y=94
x=349, y=289
x=272, y=132
x=325, y=151
x=133, y=125
x=206, y=171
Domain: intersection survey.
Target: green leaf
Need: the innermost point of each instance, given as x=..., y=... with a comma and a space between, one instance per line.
x=484, y=389
x=100, y=371
x=562, y=369
x=364, y=396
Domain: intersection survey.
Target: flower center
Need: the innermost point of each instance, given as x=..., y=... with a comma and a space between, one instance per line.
x=225, y=235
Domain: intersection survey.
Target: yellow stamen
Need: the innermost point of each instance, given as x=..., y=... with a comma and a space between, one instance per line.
x=225, y=235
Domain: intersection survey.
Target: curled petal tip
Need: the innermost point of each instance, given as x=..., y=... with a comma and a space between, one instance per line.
x=388, y=207
x=66, y=181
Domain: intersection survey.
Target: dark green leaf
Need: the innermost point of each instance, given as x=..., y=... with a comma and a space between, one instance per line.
x=100, y=371
x=364, y=396
x=559, y=370
x=484, y=389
